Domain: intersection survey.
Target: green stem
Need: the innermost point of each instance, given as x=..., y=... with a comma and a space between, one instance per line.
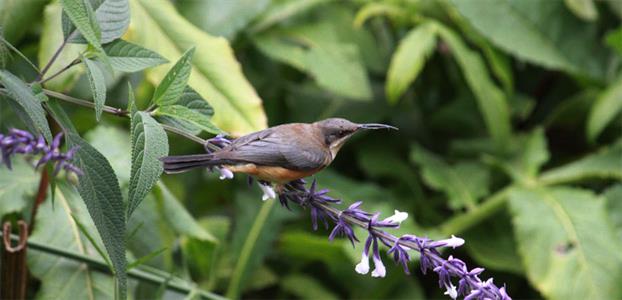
x=61, y=71
x=176, y=284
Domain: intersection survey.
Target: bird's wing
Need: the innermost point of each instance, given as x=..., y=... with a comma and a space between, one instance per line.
x=276, y=148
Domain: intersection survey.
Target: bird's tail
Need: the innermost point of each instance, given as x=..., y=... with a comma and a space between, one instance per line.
x=182, y=163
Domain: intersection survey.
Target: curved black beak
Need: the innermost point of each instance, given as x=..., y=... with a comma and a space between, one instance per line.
x=376, y=126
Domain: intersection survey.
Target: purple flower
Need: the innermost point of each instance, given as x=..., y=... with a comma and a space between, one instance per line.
x=23, y=142
x=400, y=255
x=343, y=228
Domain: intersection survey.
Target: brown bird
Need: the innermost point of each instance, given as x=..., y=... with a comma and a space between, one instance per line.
x=278, y=154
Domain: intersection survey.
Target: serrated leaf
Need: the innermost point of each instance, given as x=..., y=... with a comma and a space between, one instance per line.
x=113, y=17
x=172, y=86
x=491, y=101
x=463, y=183
x=97, y=84
x=217, y=74
x=192, y=100
x=24, y=96
x=604, y=110
x=127, y=57
x=526, y=30
x=188, y=115
x=569, y=241
x=606, y=163
x=17, y=186
x=100, y=191
x=63, y=278
x=409, y=59
x=149, y=144
x=81, y=15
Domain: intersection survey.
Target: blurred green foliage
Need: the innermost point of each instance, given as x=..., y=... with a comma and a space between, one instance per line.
x=510, y=137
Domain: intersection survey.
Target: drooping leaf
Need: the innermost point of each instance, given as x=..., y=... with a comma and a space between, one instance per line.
x=192, y=100
x=100, y=191
x=191, y=116
x=98, y=85
x=604, y=110
x=149, y=144
x=23, y=95
x=63, y=278
x=526, y=30
x=174, y=83
x=218, y=76
x=605, y=163
x=222, y=17
x=490, y=99
x=409, y=59
x=81, y=14
x=584, y=9
x=113, y=17
x=127, y=57
x=50, y=41
x=17, y=186
x=463, y=183
x=569, y=241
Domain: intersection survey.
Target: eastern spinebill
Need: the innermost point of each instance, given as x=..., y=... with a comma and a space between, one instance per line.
x=278, y=154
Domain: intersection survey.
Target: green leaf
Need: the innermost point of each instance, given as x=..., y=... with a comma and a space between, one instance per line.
x=63, y=278
x=100, y=191
x=306, y=287
x=490, y=99
x=173, y=84
x=81, y=15
x=114, y=143
x=604, y=110
x=283, y=10
x=50, y=41
x=374, y=9
x=98, y=85
x=569, y=241
x=584, y=9
x=222, y=17
x=24, y=96
x=17, y=186
x=218, y=75
x=613, y=39
x=113, y=17
x=188, y=115
x=493, y=246
x=527, y=154
x=526, y=30
x=605, y=163
x=613, y=196
x=192, y=100
x=463, y=183
x=149, y=144
x=16, y=17
x=127, y=57
x=409, y=59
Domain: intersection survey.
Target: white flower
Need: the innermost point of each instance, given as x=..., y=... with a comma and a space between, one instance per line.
x=379, y=270
x=363, y=266
x=268, y=192
x=451, y=291
x=225, y=173
x=453, y=242
x=398, y=217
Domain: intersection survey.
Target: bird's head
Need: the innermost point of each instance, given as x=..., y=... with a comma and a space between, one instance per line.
x=336, y=131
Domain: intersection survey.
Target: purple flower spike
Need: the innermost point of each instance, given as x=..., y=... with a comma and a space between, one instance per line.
x=400, y=255
x=23, y=142
x=343, y=228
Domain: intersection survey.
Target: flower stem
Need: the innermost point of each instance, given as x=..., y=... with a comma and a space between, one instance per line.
x=55, y=56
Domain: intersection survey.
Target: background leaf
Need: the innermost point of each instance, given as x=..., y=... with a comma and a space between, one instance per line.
x=604, y=110
x=605, y=163
x=17, y=186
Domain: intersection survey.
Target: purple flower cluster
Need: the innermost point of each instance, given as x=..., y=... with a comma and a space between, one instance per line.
x=322, y=209
x=23, y=142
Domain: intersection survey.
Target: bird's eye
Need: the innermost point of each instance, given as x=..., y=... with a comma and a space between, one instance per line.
x=342, y=132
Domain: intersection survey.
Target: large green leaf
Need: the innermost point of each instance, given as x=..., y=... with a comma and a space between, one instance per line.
x=409, y=59
x=463, y=183
x=149, y=144
x=174, y=82
x=51, y=39
x=17, y=186
x=527, y=30
x=98, y=85
x=606, y=163
x=195, y=118
x=24, y=96
x=193, y=101
x=491, y=245
x=217, y=75
x=82, y=16
x=100, y=191
x=490, y=99
x=127, y=57
x=113, y=17
x=222, y=17
x=114, y=143
x=63, y=278
x=567, y=246
x=604, y=110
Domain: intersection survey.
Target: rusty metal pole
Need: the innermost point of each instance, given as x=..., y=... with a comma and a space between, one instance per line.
x=13, y=270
